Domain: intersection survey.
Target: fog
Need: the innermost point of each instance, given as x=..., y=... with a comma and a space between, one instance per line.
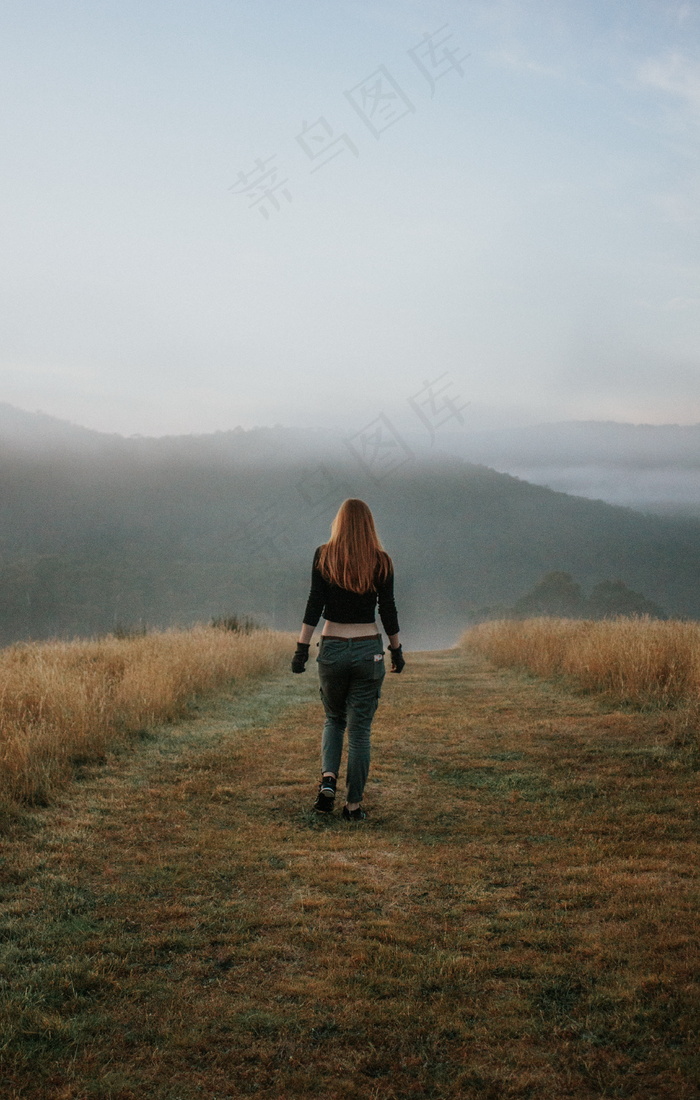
x=648, y=467
x=102, y=532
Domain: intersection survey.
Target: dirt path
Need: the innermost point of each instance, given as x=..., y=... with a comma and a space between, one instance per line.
x=515, y=918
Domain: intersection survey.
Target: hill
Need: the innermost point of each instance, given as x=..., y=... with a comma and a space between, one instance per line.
x=651, y=467
x=98, y=531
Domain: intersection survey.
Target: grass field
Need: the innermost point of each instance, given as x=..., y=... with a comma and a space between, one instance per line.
x=516, y=919
x=637, y=660
x=66, y=703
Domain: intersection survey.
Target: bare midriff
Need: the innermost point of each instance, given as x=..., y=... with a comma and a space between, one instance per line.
x=348, y=630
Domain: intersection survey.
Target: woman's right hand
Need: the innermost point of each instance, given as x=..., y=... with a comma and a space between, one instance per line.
x=301, y=656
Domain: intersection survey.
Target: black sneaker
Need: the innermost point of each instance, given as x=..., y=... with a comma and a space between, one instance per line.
x=325, y=798
x=354, y=815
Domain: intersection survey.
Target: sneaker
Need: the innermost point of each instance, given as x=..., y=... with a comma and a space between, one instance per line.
x=323, y=804
x=354, y=815
x=326, y=795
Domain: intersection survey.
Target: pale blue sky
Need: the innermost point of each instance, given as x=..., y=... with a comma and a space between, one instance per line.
x=530, y=228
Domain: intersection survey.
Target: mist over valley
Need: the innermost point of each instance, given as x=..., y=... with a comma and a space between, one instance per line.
x=102, y=532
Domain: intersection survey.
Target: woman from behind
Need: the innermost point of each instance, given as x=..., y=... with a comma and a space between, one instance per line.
x=352, y=577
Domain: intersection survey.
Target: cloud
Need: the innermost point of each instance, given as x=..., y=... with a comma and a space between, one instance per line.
x=676, y=75
x=677, y=78
x=683, y=14
x=510, y=59
x=678, y=209
x=675, y=305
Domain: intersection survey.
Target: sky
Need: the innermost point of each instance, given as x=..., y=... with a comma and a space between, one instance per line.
x=223, y=214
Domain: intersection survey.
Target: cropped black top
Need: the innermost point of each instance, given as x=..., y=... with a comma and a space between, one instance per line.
x=339, y=605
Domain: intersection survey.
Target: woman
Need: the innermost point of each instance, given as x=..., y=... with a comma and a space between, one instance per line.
x=351, y=574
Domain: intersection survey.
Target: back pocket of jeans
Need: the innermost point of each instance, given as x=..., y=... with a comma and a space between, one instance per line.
x=377, y=663
x=328, y=655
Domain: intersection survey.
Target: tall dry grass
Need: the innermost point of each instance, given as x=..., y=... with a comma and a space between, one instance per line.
x=632, y=660
x=62, y=703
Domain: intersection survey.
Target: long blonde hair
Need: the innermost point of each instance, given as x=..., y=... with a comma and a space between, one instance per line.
x=353, y=557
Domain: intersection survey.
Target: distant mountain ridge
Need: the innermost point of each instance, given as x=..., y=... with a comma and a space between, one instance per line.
x=107, y=530
x=586, y=442
x=23, y=429
x=564, y=443
x=38, y=433
x=649, y=467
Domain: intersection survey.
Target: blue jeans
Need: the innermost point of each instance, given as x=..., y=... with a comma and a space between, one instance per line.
x=351, y=671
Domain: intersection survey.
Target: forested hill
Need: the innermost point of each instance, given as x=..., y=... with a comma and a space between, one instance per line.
x=101, y=530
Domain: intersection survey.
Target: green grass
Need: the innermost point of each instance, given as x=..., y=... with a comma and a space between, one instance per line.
x=517, y=918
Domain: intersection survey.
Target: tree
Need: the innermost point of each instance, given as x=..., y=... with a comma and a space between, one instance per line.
x=611, y=598
x=556, y=594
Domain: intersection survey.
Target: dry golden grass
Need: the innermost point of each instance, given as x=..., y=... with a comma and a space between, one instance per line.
x=65, y=703
x=516, y=919
x=631, y=660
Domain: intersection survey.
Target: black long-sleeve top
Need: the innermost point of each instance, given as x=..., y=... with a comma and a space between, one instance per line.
x=342, y=606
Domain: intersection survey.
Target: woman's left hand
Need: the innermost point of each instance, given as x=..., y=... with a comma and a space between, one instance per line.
x=397, y=660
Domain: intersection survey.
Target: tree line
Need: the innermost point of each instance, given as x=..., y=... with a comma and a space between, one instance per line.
x=559, y=595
